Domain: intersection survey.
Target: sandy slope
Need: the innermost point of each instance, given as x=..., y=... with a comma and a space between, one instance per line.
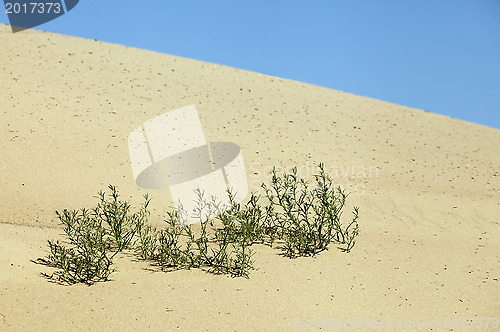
x=428, y=188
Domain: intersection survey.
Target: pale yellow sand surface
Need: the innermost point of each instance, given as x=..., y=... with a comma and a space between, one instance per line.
x=428, y=188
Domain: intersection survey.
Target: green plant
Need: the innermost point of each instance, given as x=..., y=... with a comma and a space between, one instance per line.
x=309, y=219
x=251, y=223
x=94, y=238
x=303, y=220
x=121, y=227
x=146, y=245
x=180, y=246
x=87, y=259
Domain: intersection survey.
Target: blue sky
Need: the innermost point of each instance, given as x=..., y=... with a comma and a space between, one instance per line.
x=438, y=55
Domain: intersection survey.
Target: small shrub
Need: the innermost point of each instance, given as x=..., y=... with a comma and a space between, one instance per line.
x=305, y=220
x=120, y=226
x=87, y=263
x=251, y=223
x=92, y=238
x=179, y=246
x=308, y=220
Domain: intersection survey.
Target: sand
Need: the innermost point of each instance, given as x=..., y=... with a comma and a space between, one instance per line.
x=428, y=188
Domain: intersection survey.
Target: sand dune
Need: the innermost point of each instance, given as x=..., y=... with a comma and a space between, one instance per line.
x=428, y=188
